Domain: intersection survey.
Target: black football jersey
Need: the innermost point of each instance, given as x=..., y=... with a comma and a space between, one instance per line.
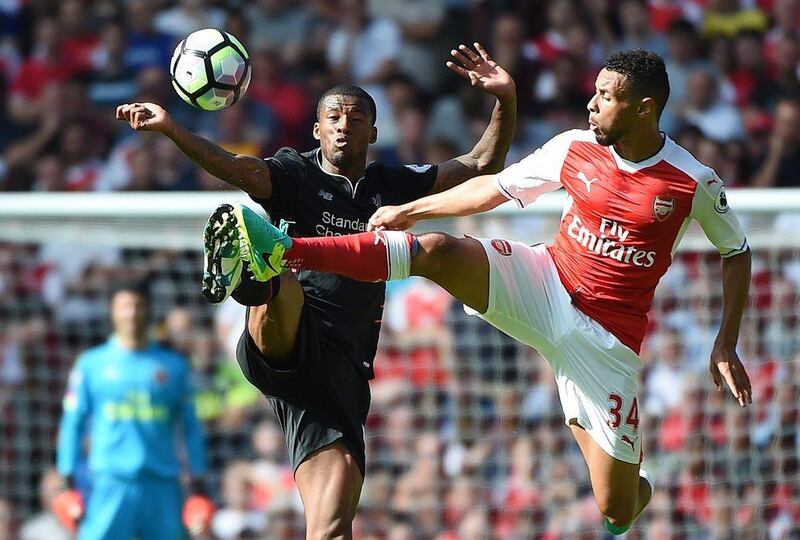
x=323, y=204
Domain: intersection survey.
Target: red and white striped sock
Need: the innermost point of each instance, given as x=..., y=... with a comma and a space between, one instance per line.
x=370, y=256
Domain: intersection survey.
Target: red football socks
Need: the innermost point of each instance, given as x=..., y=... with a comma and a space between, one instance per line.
x=370, y=256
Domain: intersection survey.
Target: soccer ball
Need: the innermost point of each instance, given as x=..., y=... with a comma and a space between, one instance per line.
x=210, y=69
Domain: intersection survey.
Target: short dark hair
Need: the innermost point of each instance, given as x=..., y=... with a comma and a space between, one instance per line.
x=349, y=90
x=136, y=286
x=645, y=72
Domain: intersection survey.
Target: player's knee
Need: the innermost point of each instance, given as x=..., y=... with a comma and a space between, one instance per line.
x=431, y=258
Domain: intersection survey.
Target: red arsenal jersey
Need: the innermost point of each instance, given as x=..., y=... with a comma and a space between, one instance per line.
x=622, y=221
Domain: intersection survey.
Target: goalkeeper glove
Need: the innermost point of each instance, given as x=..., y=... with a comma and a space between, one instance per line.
x=68, y=508
x=197, y=513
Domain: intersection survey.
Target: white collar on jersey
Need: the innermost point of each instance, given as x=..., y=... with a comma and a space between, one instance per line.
x=634, y=166
x=335, y=175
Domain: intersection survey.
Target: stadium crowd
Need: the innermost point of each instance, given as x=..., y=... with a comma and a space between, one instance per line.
x=465, y=437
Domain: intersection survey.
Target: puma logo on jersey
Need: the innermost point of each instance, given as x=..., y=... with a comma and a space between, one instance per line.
x=588, y=182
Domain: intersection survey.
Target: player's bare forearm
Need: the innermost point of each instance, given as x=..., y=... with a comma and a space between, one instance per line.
x=247, y=173
x=726, y=367
x=735, y=289
x=472, y=197
x=488, y=155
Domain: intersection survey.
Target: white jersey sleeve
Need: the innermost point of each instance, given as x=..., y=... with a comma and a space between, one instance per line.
x=710, y=208
x=537, y=173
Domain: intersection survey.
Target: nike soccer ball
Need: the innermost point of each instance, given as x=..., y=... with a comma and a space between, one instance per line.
x=210, y=69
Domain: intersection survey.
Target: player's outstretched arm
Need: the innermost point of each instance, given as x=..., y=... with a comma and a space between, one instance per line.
x=247, y=173
x=725, y=363
x=489, y=154
x=476, y=195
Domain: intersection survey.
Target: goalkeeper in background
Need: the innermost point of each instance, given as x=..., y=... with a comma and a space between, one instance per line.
x=129, y=395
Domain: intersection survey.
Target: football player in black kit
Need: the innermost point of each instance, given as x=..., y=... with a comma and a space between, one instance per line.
x=310, y=338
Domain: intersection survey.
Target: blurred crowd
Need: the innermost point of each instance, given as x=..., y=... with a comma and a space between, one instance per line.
x=466, y=437
x=65, y=65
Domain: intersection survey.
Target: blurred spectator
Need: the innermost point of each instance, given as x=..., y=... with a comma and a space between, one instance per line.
x=287, y=102
x=365, y=50
x=636, y=32
x=778, y=168
x=420, y=23
x=47, y=63
x=223, y=395
x=508, y=49
x=752, y=78
x=7, y=525
x=560, y=95
x=549, y=45
x=144, y=45
x=187, y=16
x=113, y=82
x=280, y=26
x=683, y=57
x=236, y=516
x=45, y=525
x=272, y=474
x=781, y=338
x=729, y=17
x=78, y=41
x=76, y=149
x=716, y=119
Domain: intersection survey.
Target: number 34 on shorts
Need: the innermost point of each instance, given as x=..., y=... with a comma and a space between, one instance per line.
x=617, y=410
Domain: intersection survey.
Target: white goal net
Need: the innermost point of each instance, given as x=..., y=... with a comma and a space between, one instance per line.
x=465, y=438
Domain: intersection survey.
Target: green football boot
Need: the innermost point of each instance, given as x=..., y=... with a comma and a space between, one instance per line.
x=236, y=239
x=261, y=243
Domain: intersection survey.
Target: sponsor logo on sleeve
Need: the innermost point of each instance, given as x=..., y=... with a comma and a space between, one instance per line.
x=419, y=168
x=663, y=207
x=721, y=203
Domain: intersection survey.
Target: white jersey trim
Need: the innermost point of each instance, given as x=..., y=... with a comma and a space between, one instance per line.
x=709, y=205
x=635, y=166
x=540, y=171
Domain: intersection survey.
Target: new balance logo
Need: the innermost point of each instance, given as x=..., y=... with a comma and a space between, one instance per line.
x=325, y=195
x=628, y=440
x=588, y=182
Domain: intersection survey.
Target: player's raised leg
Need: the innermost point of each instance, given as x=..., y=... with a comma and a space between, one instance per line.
x=459, y=265
x=329, y=479
x=273, y=318
x=622, y=490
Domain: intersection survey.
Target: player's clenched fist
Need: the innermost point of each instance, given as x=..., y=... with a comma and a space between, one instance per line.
x=144, y=116
x=391, y=217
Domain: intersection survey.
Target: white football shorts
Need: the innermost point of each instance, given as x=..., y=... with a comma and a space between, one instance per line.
x=597, y=376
